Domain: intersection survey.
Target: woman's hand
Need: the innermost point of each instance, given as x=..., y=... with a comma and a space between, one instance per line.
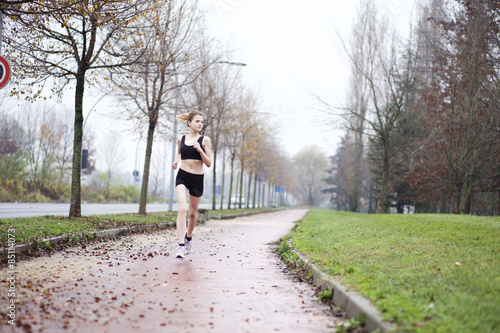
x=196, y=146
x=174, y=165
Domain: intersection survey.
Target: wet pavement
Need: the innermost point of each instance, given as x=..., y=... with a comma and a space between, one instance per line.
x=231, y=282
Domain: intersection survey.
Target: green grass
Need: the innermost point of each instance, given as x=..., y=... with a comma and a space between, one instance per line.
x=425, y=273
x=36, y=228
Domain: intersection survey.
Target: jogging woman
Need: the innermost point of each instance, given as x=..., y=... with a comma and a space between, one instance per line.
x=193, y=150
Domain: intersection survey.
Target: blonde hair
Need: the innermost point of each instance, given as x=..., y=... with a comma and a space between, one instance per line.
x=189, y=116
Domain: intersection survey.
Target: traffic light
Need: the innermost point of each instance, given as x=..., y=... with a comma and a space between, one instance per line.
x=85, y=154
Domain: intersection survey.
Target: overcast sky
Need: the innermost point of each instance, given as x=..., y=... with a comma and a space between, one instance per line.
x=293, y=52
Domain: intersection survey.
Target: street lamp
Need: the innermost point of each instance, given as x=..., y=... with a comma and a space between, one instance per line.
x=91, y=109
x=1, y=31
x=205, y=66
x=234, y=63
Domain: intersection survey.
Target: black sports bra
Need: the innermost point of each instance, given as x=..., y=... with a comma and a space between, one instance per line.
x=188, y=152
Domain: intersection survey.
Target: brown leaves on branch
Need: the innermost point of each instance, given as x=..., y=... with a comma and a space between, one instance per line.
x=461, y=105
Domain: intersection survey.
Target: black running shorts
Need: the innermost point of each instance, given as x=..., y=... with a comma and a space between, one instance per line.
x=193, y=182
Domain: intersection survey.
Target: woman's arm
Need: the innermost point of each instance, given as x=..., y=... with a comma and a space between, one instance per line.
x=177, y=154
x=206, y=156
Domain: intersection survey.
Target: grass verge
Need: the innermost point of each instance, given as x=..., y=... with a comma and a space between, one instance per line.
x=425, y=273
x=33, y=229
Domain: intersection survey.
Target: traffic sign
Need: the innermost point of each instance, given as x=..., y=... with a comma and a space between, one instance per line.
x=4, y=72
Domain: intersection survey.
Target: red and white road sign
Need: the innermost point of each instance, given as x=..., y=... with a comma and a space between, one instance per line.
x=4, y=72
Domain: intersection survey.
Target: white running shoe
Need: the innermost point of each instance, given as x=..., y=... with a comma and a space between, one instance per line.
x=188, y=245
x=181, y=252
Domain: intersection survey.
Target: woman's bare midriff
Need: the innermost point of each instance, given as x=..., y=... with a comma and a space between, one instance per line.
x=192, y=166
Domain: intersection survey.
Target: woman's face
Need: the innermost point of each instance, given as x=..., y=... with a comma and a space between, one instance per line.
x=196, y=123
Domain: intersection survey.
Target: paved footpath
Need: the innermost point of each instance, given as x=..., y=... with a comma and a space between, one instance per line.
x=231, y=282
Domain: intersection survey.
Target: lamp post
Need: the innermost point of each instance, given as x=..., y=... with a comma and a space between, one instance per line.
x=136, y=170
x=91, y=109
x=204, y=67
x=1, y=31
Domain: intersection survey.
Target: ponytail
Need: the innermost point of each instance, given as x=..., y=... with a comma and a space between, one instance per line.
x=189, y=116
x=183, y=117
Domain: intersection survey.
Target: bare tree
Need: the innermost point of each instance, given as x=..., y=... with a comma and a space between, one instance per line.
x=157, y=178
x=70, y=41
x=213, y=93
x=389, y=77
x=341, y=173
x=11, y=134
x=46, y=147
x=310, y=167
x=12, y=157
x=362, y=49
x=41, y=144
x=232, y=142
x=218, y=115
x=64, y=154
x=149, y=85
x=112, y=153
x=247, y=126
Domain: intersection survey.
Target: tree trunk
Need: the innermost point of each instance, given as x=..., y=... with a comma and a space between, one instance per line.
x=254, y=189
x=466, y=196
x=147, y=162
x=311, y=196
x=241, y=184
x=269, y=193
x=354, y=202
x=236, y=190
x=259, y=197
x=108, y=185
x=456, y=198
x=75, y=208
x=230, y=184
x=468, y=205
x=248, y=189
x=264, y=195
x=223, y=176
x=383, y=185
x=273, y=194
x=498, y=202
x=381, y=197
x=214, y=166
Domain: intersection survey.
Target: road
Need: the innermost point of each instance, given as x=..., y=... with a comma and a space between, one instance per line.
x=231, y=282
x=15, y=210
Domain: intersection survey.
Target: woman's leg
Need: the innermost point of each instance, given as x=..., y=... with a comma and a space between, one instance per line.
x=181, y=214
x=193, y=210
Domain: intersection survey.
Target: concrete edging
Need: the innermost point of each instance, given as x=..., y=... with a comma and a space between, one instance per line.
x=21, y=248
x=203, y=216
x=353, y=303
x=232, y=216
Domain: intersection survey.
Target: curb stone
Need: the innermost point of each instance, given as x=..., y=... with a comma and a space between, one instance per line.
x=353, y=303
x=22, y=248
x=203, y=216
x=232, y=216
